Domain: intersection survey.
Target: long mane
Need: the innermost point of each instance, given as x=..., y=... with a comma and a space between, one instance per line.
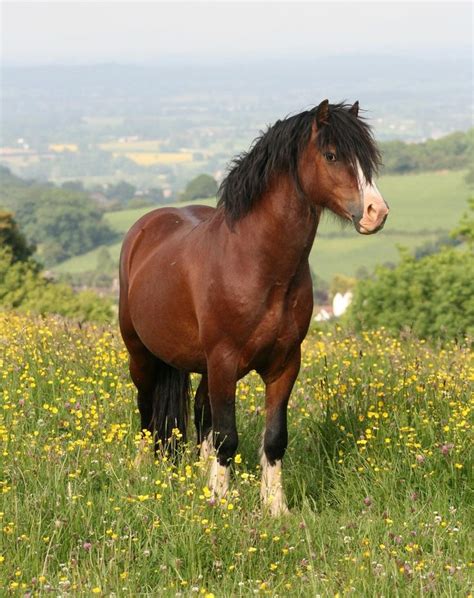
x=277, y=151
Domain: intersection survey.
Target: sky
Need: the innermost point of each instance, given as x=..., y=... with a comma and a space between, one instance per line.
x=147, y=32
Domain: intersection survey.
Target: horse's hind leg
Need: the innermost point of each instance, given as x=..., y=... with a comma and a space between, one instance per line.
x=203, y=418
x=143, y=374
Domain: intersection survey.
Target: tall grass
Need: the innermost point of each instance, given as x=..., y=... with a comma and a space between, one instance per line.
x=376, y=474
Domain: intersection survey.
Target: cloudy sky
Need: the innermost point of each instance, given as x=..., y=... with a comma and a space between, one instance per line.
x=90, y=32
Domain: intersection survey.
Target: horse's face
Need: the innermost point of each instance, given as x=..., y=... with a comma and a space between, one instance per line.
x=341, y=187
x=347, y=194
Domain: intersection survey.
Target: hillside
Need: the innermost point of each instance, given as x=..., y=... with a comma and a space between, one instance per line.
x=422, y=206
x=59, y=222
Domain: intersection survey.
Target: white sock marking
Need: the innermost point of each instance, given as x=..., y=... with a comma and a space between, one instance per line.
x=271, y=492
x=219, y=477
x=206, y=449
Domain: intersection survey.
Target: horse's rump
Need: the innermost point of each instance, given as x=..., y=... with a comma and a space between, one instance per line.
x=159, y=308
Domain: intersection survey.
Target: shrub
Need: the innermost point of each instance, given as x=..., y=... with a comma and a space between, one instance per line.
x=433, y=296
x=23, y=287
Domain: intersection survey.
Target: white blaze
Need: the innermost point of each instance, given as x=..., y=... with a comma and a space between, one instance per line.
x=375, y=209
x=367, y=190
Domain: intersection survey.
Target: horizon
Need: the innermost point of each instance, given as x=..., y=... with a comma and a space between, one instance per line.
x=78, y=33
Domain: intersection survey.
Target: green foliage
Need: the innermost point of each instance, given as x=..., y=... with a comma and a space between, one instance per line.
x=453, y=152
x=433, y=296
x=122, y=191
x=60, y=222
x=23, y=287
x=469, y=178
x=341, y=284
x=201, y=187
x=11, y=237
x=465, y=231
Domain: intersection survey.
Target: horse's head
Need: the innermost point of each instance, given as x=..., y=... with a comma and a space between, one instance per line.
x=346, y=158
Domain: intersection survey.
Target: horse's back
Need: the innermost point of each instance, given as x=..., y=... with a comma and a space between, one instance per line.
x=155, y=228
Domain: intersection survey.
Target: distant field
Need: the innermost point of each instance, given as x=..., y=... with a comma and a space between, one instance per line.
x=146, y=152
x=151, y=145
x=422, y=205
x=63, y=147
x=150, y=158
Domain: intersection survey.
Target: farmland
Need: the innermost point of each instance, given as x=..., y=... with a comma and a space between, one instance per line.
x=376, y=473
x=422, y=206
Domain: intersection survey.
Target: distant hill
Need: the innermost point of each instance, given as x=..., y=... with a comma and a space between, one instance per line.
x=60, y=222
x=451, y=152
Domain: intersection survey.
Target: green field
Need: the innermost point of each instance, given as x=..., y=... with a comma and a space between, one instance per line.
x=422, y=206
x=377, y=476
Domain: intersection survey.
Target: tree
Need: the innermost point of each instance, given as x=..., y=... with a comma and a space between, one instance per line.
x=201, y=187
x=73, y=186
x=10, y=236
x=452, y=152
x=23, y=287
x=341, y=284
x=122, y=191
x=60, y=222
x=465, y=230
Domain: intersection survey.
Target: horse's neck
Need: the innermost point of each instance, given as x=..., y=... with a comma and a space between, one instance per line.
x=280, y=229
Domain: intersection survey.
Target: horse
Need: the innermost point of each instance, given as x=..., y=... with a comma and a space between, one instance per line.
x=226, y=290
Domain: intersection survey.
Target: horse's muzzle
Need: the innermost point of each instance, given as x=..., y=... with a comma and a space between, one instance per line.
x=360, y=228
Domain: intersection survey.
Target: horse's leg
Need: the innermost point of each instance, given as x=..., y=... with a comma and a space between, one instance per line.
x=142, y=372
x=222, y=382
x=275, y=439
x=203, y=418
x=142, y=367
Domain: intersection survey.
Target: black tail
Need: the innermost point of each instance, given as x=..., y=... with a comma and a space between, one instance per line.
x=170, y=405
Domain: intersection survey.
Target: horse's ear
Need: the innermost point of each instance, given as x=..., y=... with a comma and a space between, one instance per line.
x=322, y=113
x=354, y=109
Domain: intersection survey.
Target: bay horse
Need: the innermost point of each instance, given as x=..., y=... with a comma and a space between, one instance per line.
x=222, y=291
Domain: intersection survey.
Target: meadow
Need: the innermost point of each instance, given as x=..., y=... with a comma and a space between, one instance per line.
x=422, y=206
x=377, y=474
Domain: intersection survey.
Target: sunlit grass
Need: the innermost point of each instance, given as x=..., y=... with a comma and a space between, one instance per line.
x=376, y=473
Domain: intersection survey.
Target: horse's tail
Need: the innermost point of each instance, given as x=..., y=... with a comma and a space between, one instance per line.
x=170, y=406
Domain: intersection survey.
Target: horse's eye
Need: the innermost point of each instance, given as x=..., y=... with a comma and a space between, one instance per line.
x=330, y=157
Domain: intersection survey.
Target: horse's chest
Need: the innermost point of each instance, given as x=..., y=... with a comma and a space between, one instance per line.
x=278, y=333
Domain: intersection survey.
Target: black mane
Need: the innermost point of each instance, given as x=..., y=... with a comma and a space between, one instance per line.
x=277, y=151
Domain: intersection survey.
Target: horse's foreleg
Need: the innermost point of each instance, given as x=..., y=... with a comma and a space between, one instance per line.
x=224, y=430
x=275, y=439
x=203, y=419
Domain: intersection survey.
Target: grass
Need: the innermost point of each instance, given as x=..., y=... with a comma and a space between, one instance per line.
x=376, y=473
x=422, y=206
